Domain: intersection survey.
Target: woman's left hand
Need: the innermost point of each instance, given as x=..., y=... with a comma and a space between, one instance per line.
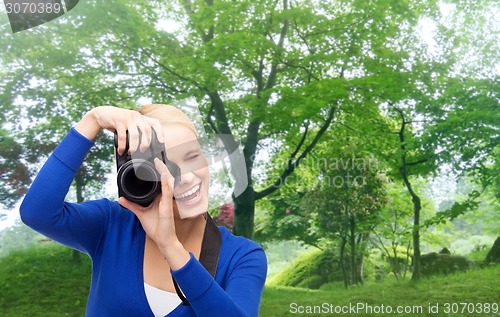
x=157, y=220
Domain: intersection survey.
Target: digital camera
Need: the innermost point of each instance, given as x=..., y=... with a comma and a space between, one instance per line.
x=137, y=178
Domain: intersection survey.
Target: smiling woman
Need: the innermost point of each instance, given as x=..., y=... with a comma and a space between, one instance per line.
x=182, y=147
x=165, y=259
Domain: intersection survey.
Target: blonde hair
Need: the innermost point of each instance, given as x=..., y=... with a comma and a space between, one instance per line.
x=168, y=114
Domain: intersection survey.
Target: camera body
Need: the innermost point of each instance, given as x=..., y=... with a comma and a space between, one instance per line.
x=137, y=177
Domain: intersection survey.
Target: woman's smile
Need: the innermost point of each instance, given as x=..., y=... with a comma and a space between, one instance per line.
x=190, y=195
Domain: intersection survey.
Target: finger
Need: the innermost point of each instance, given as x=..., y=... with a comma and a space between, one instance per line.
x=162, y=168
x=133, y=207
x=133, y=137
x=122, y=140
x=166, y=203
x=145, y=135
x=156, y=125
x=167, y=180
x=167, y=185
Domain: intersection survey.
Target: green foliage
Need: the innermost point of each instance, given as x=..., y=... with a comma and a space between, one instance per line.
x=13, y=172
x=355, y=191
x=470, y=244
x=267, y=69
x=284, y=219
x=377, y=266
x=435, y=263
x=395, y=217
x=336, y=180
x=388, y=261
x=393, y=233
x=471, y=207
x=478, y=255
x=280, y=254
x=310, y=270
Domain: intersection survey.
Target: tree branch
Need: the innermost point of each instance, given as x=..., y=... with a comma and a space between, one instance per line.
x=292, y=165
x=417, y=162
x=301, y=142
x=206, y=37
x=271, y=80
x=172, y=72
x=257, y=75
x=209, y=119
x=308, y=71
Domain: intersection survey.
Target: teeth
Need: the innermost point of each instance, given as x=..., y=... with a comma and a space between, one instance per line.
x=189, y=192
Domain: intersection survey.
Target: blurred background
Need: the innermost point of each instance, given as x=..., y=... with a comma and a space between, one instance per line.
x=370, y=132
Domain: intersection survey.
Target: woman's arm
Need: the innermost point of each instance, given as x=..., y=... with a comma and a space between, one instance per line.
x=43, y=208
x=243, y=291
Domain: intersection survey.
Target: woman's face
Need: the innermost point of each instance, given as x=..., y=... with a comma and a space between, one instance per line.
x=183, y=149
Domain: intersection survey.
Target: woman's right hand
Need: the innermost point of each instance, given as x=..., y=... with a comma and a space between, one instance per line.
x=120, y=121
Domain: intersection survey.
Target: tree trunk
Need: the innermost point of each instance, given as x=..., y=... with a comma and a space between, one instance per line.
x=244, y=204
x=360, y=258
x=244, y=209
x=360, y=267
x=416, y=237
x=352, y=242
x=493, y=255
x=396, y=268
x=407, y=259
x=342, y=261
x=417, y=205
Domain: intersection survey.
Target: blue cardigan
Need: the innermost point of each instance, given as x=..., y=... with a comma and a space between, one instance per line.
x=113, y=237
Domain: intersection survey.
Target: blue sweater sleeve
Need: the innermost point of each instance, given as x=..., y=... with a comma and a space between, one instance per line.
x=78, y=226
x=242, y=294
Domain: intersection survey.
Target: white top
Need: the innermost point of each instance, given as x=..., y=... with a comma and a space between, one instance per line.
x=160, y=301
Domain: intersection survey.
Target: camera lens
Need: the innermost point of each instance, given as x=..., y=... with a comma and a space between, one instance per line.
x=139, y=181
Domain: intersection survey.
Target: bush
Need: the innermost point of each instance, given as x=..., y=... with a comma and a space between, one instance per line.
x=436, y=263
x=310, y=270
x=313, y=282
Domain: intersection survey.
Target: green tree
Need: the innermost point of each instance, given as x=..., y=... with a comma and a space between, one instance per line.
x=332, y=202
x=14, y=175
x=345, y=206
x=258, y=69
x=392, y=236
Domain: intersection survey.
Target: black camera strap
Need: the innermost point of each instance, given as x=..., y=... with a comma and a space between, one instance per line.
x=209, y=255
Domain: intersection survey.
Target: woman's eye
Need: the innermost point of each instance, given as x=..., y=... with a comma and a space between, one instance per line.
x=192, y=157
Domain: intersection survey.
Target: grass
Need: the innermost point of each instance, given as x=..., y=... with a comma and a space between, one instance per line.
x=309, y=270
x=44, y=281
x=476, y=287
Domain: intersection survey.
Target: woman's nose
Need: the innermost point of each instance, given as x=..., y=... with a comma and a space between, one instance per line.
x=187, y=176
